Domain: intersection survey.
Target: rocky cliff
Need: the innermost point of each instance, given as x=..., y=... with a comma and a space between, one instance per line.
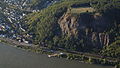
x=69, y=24
x=87, y=26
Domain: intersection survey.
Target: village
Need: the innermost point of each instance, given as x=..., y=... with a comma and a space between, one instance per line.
x=11, y=12
x=9, y=19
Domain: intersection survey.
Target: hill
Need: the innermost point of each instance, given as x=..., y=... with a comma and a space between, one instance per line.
x=85, y=26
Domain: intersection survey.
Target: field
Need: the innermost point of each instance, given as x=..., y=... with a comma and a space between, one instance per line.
x=82, y=10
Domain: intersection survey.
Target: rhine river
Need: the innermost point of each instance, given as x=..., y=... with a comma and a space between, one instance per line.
x=11, y=57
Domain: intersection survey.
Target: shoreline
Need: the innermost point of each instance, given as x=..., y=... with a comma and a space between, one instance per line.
x=33, y=60
x=83, y=58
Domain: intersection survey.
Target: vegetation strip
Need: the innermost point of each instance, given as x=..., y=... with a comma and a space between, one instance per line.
x=79, y=56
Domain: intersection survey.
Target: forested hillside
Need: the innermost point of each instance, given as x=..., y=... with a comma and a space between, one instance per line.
x=79, y=25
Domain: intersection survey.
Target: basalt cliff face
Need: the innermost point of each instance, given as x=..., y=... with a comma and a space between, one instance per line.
x=87, y=26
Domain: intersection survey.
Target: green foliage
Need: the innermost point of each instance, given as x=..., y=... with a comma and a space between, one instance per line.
x=103, y=5
x=38, y=4
x=112, y=50
x=44, y=27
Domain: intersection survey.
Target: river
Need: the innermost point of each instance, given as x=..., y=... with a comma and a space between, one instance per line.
x=11, y=57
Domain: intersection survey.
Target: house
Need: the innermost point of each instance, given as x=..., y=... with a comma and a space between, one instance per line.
x=2, y=28
x=25, y=41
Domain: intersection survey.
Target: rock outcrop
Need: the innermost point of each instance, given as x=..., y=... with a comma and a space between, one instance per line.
x=69, y=24
x=85, y=26
x=104, y=39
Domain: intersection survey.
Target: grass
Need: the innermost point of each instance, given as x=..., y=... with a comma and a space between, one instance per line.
x=82, y=10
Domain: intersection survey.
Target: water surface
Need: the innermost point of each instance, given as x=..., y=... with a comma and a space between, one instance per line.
x=11, y=57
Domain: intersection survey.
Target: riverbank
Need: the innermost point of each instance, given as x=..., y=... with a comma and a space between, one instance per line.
x=11, y=57
x=82, y=57
x=24, y=46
